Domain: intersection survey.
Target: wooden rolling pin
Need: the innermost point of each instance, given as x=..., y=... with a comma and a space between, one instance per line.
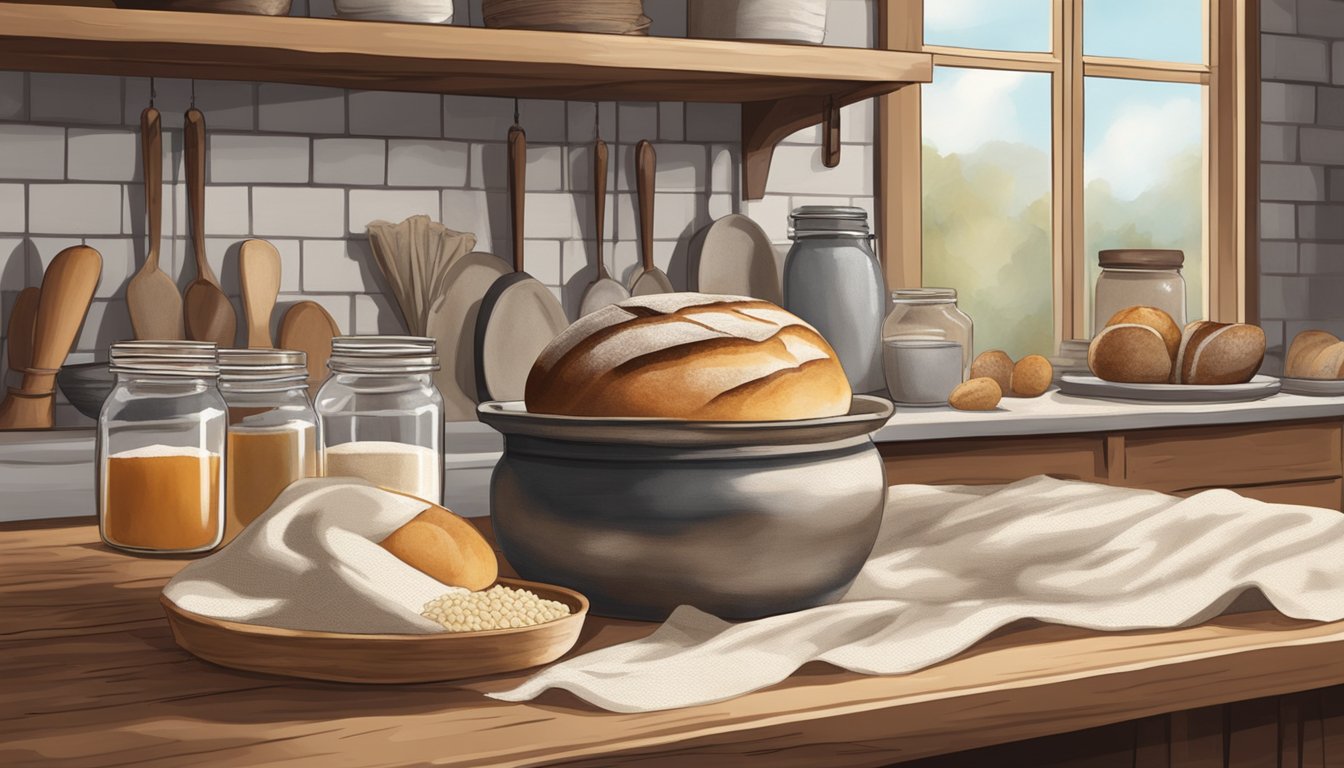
x=67, y=289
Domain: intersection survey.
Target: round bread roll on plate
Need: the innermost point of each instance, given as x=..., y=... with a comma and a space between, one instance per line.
x=1130, y=353
x=445, y=547
x=1302, y=353
x=690, y=356
x=1219, y=353
x=1327, y=364
x=1154, y=318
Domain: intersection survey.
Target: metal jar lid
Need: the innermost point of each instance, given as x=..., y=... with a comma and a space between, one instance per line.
x=1141, y=258
x=387, y=355
x=924, y=296
x=262, y=365
x=828, y=220
x=192, y=359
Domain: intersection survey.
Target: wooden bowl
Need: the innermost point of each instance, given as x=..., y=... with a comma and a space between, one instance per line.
x=354, y=658
x=250, y=7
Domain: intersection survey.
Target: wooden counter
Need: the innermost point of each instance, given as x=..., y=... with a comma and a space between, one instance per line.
x=91, y=677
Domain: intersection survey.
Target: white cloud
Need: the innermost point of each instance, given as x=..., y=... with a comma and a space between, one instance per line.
x=940, y=15
x=971, y=107
x=1136, y=149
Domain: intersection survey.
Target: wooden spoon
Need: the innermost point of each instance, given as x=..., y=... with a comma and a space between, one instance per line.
x=309, y=328
x=151, y=296
x=603, y=291
x=259, y=269
x=67, y=289
x=652, y=280
x=208, y=312
x=21, y=319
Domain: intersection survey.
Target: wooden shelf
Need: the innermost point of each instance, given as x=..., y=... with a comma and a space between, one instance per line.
x=782, y=88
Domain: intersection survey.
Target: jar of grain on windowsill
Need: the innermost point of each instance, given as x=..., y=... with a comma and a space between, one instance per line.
x=273, y=436
x=382, y=416
x=1147, y=277
x=160, y=449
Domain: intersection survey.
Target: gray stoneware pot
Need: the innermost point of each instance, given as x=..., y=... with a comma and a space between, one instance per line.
x=739, y=519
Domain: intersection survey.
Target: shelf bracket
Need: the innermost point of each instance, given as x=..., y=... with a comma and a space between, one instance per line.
x=830, y=138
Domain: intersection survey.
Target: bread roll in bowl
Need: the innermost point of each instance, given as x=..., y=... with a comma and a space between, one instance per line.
x=690, y=356
x=1131, y=353
x=446, y=547
x=1219, y=353
x=1302, y=353
x=1154, y=318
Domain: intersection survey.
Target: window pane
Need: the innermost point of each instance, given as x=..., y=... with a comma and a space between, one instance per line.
x=1160, y=30
x=1143, y=165
x=1000, y=25
x=987, y=202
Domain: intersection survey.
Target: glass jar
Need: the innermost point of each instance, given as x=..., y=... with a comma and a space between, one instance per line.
x=1139, y=277
x=927, y=344
x=160, y=449
x=381, y=415
x=833, y=281
x=273, y=433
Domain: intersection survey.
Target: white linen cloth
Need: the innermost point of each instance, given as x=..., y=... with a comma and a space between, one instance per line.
x=312, y=561
x=952, y=564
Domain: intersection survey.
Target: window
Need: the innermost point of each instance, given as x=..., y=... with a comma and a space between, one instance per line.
x=1057, y=128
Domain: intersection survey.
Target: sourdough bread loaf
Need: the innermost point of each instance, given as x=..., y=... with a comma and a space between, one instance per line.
x=1219, y=353
x=1302, y=353
x=1328, y=363
x=690, y=356
x=1154, y=318
x=1131, y=353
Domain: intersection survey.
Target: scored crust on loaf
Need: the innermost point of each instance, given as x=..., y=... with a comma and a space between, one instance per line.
x=690, y=356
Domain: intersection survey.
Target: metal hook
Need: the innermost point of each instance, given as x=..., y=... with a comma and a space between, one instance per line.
x=153, y=94
x=515, y=112
x=597, y=120
x=193, y=93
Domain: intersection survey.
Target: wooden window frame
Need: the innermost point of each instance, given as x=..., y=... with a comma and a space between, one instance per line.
x=1232, y=156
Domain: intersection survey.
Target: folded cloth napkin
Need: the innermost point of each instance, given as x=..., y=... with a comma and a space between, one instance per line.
x=952, y=564
x=312, y=561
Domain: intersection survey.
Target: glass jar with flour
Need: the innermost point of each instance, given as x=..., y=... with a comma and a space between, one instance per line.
x=382, y=416
x=1133, y=277
x=926, y=346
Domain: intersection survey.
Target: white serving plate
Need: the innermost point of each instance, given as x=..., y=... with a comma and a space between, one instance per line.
x=1086, y=385
x=1314, y=387
x=733, y=256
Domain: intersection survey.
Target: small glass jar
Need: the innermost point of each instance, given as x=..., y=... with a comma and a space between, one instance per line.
x=273, y=436
x=381, y=415
x=161, y=449
x=833, y=281
x=927, y=343
x=1139, y=277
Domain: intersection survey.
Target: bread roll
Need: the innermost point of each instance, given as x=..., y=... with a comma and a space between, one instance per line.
x=1219, y=353
x=1032, y=376
x=446, y=548
x=1154, y=318
x=1327, y=364
x=690, y=356
x=982, y=394
x=1131, y=353
x=1303, y=351
x=994, y=364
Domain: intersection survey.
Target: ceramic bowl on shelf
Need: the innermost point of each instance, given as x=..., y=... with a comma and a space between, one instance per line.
x=416, y=11
x=249, y=7
x=739, y=519
x=86, y=386
x=779, y=21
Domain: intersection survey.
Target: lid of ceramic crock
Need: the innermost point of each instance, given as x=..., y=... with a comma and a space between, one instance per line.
x=1141, y=258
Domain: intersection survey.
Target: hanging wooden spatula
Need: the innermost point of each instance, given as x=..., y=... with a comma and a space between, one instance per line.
x=208, y=313
x=652, y=279
x=309, y=328
x=603, y=291
x=21, y=319
x=151, y=296
x=67, y=289
x=259, y=270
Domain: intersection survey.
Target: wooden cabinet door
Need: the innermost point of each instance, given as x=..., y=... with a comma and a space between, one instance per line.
x=991, y=461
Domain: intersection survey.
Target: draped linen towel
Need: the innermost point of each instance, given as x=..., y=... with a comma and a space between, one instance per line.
x=952, y=564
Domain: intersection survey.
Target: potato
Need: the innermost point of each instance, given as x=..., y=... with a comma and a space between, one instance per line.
x=980, y=394
x=994, y=364
x=1032, y=376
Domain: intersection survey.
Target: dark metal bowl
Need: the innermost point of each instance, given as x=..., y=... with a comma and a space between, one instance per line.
x=86, y=386
x=739, y=519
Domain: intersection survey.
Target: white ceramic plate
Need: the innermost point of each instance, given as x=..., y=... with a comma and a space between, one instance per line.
x=1314, y=387
x=1084, y=385
x=733, y=257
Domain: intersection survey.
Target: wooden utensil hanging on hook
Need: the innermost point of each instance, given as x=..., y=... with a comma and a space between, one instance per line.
x=519, y=316
x=151, y=296
x=259, y=273
x=603, y=291
x=652, y=280
x=208, y=313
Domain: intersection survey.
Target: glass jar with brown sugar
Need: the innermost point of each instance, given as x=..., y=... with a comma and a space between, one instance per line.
x=273, y=436
x=160, y=449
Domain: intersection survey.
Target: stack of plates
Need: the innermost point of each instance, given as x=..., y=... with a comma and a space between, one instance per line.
x=1072, y=358
x=612, y=17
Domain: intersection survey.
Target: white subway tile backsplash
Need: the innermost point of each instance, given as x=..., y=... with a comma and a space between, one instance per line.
x=350, y=161
x=338, y=306
x=258, y=159
x=375, y=314
x=771, y=213
x=226, y=211
x=477, y=118
x=545, y=167
x=13, y=95
x=542, y=120
x=484, y=214
x=74, y=209
x=118, y=264
x=393, y=205
x=420, y=163
x=682, y=167
x=338, y=266
x=723, y=169
x=32, y=152
x=103, y=154
x=582, y=129
x=227, y=104
x=858, y=122
x=172, y=97
x=675, y=215
x=108, y=321
x=581, y=167
x=298, y=212
x=543, y=260
x=74, y=98
x=849, y=23
x=671, y=121
x=637, y=121
x=799, y=170
x=720, y=205
x=387, y=113
x=713, y=122
x=41, y=250
x=13, y=210
x=550, y=215
x=300, y=108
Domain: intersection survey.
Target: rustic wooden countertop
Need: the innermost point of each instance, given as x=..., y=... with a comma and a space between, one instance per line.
x=91, y=677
